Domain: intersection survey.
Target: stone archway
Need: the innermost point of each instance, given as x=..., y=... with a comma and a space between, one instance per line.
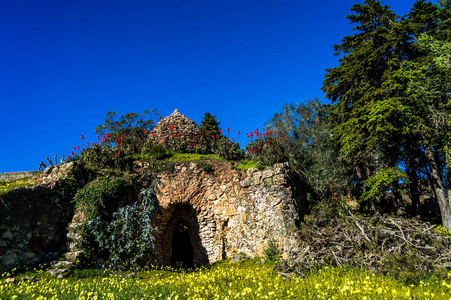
x=182, y=242
x=181, y=249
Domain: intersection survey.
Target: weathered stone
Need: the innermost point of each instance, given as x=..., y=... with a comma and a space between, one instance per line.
x=58, y=273
x=7, y=235
x=10, y=258
x=175, y=129
x=29, y=254
x=238, y=258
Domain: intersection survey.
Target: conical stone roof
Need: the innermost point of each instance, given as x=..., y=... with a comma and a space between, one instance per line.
x=176, y=130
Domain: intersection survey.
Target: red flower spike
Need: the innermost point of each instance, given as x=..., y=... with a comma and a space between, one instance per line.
x=115, y=154
x=228, y=129
x=247, y=134
x=68, y=157
x=200, y=131
x=82, y=137
x=75, y=148
x=136, y=145
x=72, y=152
x=238, y=132
x=194, y=145
x=233, y=139
x=87, y=143
x=78, y=147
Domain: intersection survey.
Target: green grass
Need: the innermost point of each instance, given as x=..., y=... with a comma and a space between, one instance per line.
x=247, y=280
x=12, y=184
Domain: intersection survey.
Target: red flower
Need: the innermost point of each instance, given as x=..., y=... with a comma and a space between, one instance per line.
x=247, y=134
x=98, y=137
x=194, y=144
x=238, y=132
x=75, y=148
x=153, y=134
x=331, y=185
x=213, y=136
x=68, y=157
x=228, y=129
x=115, y=154
x=72, y=152
x=200, y=131
x=119, y=151
x=233, y=139
x=78, y=147
x=145, y=131
x=87, y=143
x=82, y=137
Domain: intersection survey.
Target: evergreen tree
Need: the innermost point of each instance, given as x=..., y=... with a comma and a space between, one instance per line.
x=210, y=128
x=374, y=116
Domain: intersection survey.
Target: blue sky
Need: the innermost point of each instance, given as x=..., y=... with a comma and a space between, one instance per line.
x=65, y=64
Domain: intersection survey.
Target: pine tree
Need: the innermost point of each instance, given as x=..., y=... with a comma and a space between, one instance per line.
x=210, y=128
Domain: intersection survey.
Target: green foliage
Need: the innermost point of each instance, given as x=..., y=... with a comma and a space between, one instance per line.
x=272, y=251
x=311, y=148
x=209, y=127
x=94, y=196
x=226, y=149
x=248, y=280
x=245, y=164
x=268, y=150
x=6, y=186
x=126, y=240
x=129, y=125
x=159, y=152
x=383, y=181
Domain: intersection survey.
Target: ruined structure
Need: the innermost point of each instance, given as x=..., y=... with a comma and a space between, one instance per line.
x=175, y=129
x=208, y=210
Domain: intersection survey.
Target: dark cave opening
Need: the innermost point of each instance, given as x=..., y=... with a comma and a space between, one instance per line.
x=182, y=248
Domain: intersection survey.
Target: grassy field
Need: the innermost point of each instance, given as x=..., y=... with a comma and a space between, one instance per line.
x=247, y=280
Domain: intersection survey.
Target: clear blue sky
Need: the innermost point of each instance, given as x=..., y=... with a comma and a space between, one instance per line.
x=64, y=64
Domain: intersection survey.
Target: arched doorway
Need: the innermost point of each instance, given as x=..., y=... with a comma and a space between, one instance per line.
x=181, y=242
x=182, y=248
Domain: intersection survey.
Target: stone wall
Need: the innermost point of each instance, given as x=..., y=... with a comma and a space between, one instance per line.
x=34, y=220
x=16, y=175
x=228, y=211
x=225, y=210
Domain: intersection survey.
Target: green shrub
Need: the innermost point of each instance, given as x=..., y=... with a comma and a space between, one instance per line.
x=126, y=242
x=272, y=252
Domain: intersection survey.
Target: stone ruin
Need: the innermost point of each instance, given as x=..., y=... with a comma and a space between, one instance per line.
x=175, y=128
x=205, y=214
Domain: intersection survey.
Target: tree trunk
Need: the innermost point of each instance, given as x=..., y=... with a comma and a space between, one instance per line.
x=438, y=186
x=413, y=187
